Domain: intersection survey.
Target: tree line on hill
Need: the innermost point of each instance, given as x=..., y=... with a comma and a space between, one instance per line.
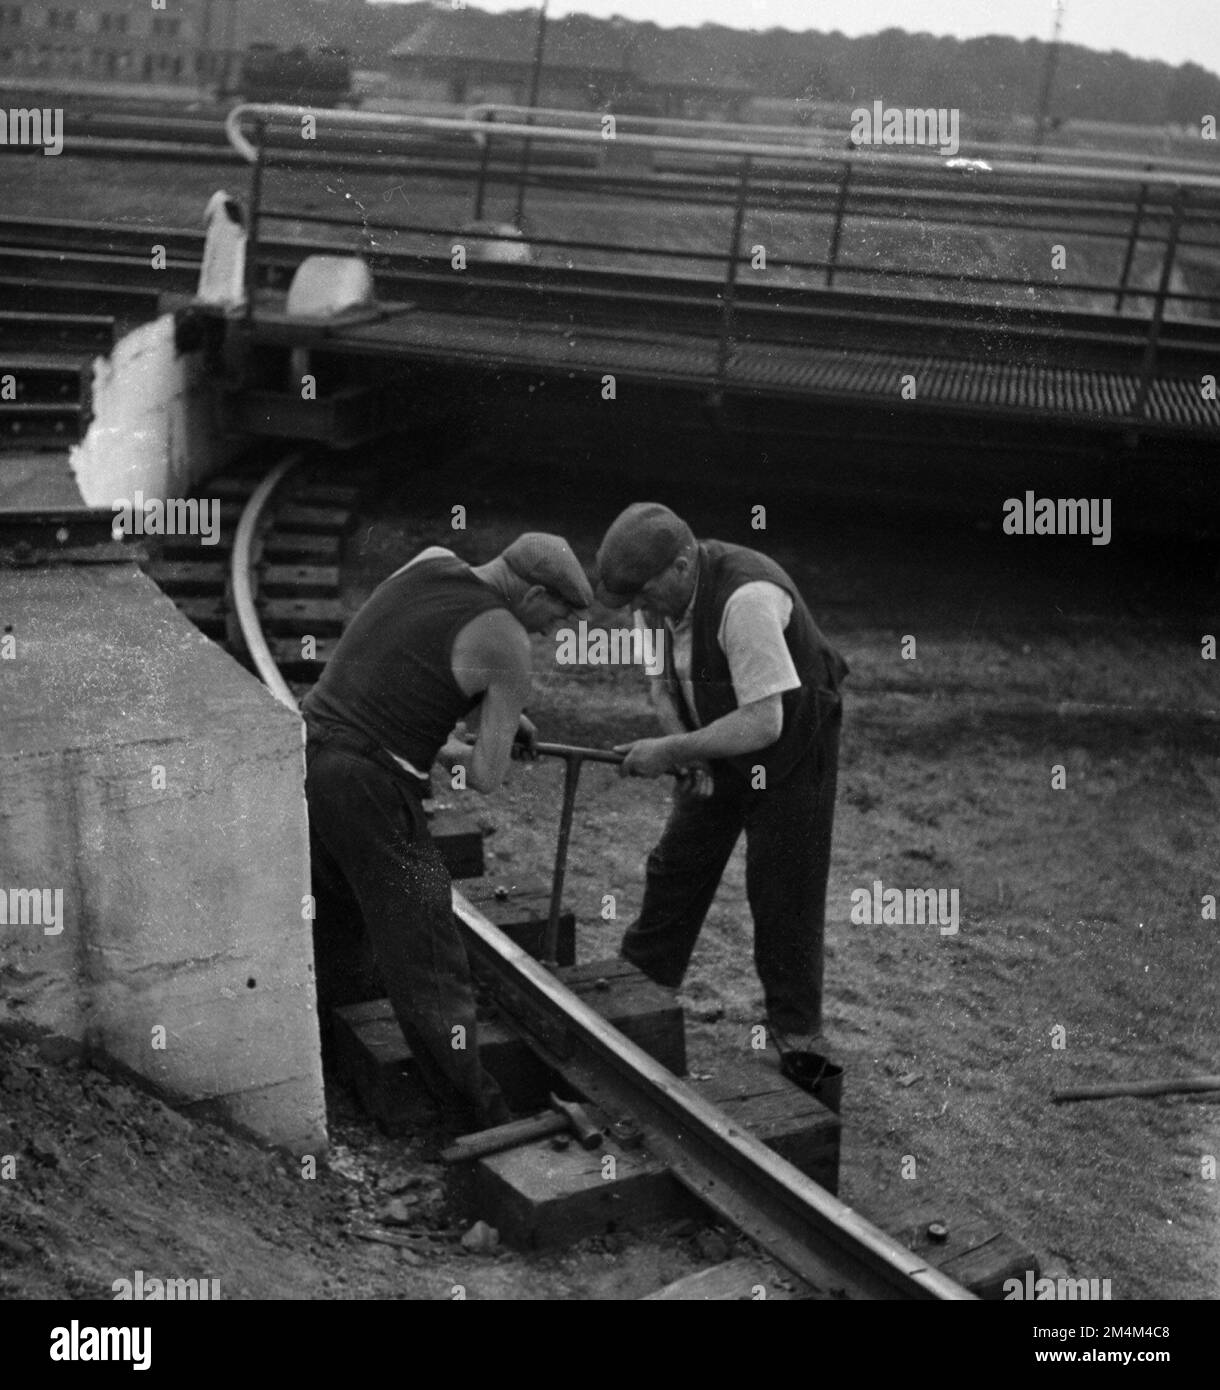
x=992, y=76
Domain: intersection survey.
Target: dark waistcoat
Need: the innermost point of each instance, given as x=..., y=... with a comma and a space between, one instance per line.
x=723, y=569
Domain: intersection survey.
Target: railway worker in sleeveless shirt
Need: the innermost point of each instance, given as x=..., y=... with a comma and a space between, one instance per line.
x=437, y=643
x=749, y=703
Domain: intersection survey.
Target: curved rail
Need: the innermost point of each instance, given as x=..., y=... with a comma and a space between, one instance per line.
x=241, y=567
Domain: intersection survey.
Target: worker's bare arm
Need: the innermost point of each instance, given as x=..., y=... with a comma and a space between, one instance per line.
x=491, y=657
x=468, y=728
x=746, y=730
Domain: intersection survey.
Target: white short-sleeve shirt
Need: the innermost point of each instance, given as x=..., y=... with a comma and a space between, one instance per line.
x=751, y=636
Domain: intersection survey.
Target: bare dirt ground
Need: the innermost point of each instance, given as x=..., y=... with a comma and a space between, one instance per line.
x=108, y=1180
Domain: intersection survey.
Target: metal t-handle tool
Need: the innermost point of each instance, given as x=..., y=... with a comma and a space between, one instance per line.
x=587, y=755
x=573, y=758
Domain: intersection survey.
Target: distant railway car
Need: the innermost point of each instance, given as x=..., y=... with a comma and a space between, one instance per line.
x=297, y=76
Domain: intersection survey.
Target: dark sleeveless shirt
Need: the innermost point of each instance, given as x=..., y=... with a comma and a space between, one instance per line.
x=391, y=675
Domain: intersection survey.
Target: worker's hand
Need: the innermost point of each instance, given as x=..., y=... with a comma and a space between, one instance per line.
x=525, y=741
x=646, y=757
x=696, y=780
x=455, y=753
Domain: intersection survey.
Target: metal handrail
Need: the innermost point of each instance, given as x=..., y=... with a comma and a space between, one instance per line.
x=737, y=148
x=802, y=135
x=1179, y=185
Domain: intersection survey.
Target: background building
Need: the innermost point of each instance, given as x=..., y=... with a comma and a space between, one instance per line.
x=191, y=42
x=447, y=58
x=451, y=56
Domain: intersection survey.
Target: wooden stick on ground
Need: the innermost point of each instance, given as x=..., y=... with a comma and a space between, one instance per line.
x=1172, y=1086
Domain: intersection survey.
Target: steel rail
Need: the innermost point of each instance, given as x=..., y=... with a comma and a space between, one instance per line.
x=817, y=1237
x=241, y=574
x=1051, y=173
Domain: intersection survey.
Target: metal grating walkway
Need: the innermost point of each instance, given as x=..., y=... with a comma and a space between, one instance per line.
x=1088, y=395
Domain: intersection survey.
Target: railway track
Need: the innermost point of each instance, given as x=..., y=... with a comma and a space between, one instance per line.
x=282, y=605
x=826, y=1244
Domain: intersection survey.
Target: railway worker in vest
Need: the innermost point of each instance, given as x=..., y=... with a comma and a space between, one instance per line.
x=437, y=643
x=749, y=702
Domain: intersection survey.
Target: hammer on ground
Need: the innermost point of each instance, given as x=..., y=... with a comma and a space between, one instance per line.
x=564, y=1116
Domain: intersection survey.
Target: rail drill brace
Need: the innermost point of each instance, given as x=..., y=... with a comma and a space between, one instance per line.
x=573, y=759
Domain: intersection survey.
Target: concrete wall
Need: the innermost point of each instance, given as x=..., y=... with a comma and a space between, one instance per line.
x=157, y=425
x=182, y=894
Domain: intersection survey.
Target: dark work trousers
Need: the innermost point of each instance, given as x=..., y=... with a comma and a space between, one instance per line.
x=378, y=874
x=788, y=831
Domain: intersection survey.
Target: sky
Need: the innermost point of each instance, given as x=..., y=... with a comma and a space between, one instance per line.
x=1173, y=30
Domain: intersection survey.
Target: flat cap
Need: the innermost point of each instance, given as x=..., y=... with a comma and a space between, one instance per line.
x=642, y=541
x=540, y=558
